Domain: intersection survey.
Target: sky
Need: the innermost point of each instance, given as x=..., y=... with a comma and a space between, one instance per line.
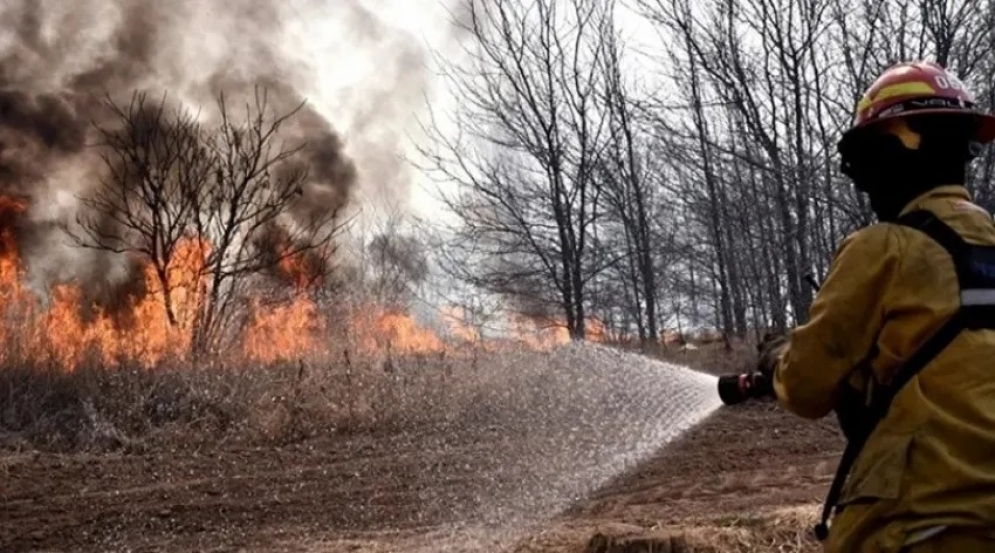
x=350, y=67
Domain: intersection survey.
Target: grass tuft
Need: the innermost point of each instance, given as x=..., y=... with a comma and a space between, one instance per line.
x=98, y=409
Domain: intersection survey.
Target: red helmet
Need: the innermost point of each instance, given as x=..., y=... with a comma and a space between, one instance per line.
x=916, y=88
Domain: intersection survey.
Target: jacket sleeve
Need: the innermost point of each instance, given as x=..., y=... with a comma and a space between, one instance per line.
x=844, y=321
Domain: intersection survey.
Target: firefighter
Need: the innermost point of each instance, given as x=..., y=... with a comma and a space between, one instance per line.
x=923, y=478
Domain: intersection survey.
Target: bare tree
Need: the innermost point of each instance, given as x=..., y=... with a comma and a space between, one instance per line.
x=256, y=211
x=533, y=132
x=772, y=86
x=154, y=157
x=628, y=188
x=233, y=196
x=581, y=195
x=397, y=265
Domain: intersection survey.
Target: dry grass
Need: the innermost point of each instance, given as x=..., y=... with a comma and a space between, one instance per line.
x=711, y=358
x=783, y=531
x=787, y=530
x=95, y=408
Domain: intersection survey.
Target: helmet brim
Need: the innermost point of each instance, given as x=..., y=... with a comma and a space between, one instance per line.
x=986, y=123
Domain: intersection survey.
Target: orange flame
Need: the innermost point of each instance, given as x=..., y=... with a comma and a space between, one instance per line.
x=159, y=324
x=460, y=328
x=393, y=332
x=302, y=269
x=283, y=332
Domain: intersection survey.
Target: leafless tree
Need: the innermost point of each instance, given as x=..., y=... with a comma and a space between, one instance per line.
x=718, y=194
x=235, y=193
x=397, y=266
x=532, y=133
x=154, y=157
x=628, y=189
x=771, y=85
x=256, y=211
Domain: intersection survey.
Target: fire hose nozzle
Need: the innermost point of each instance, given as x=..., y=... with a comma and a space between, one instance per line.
x=738, y=388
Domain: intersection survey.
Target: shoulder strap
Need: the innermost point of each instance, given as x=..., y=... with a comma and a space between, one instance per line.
x=946, y=237
x=975, y=266
x=934, y=227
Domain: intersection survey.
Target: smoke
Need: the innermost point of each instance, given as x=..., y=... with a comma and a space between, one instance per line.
x=59, y=60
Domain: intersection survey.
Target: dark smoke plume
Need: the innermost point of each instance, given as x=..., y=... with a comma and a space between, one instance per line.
x=59, y=60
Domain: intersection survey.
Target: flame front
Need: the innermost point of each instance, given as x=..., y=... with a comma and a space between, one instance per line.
x=159, y=324
x=398, y=333
x=12, y=293
x=283, y=332
x=60, y=334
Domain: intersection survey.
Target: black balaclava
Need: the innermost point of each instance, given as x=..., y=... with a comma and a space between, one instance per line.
x=892, y=175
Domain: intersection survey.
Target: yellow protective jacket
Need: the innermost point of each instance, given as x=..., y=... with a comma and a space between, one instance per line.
x=931, y=461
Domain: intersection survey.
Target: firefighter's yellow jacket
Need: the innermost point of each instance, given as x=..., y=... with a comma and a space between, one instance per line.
x=931, y=462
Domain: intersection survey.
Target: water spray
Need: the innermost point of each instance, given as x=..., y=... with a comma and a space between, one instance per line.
x=738, y=388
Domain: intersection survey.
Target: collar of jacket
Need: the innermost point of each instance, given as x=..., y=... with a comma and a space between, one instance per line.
x=951, y=191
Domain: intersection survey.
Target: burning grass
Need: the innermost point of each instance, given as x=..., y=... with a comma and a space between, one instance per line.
x=78, y=374
x=398, y=376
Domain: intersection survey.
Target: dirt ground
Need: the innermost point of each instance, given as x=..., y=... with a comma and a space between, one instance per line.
x=747, y=478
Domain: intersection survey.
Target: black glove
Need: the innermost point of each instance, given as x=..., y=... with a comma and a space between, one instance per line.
x=759, y=385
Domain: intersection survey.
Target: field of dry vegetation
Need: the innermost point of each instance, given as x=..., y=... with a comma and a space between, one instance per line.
x=96, y=408
x=371, y=455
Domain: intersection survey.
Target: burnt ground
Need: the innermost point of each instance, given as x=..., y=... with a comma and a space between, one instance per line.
x=446, y=486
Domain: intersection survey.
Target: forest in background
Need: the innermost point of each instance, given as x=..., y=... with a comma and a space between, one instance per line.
x=695, y=183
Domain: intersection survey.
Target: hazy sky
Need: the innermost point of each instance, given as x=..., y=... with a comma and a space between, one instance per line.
x=355, y=58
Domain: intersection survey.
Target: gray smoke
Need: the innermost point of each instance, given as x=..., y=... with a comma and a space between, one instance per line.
x=59, y=59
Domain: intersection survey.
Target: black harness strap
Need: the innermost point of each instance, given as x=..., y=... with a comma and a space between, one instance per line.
x=974, y=266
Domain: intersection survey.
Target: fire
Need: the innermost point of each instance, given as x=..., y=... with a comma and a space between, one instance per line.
x=283, y=332
x=61, y=335
x=12, y=292
x=394, y=332
x=596, y=331
x=545, y=335
x=457, y=319
x=155, y=336
x=540, y=335
x=303, y=270
x=56, y=331
x=160, y=323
